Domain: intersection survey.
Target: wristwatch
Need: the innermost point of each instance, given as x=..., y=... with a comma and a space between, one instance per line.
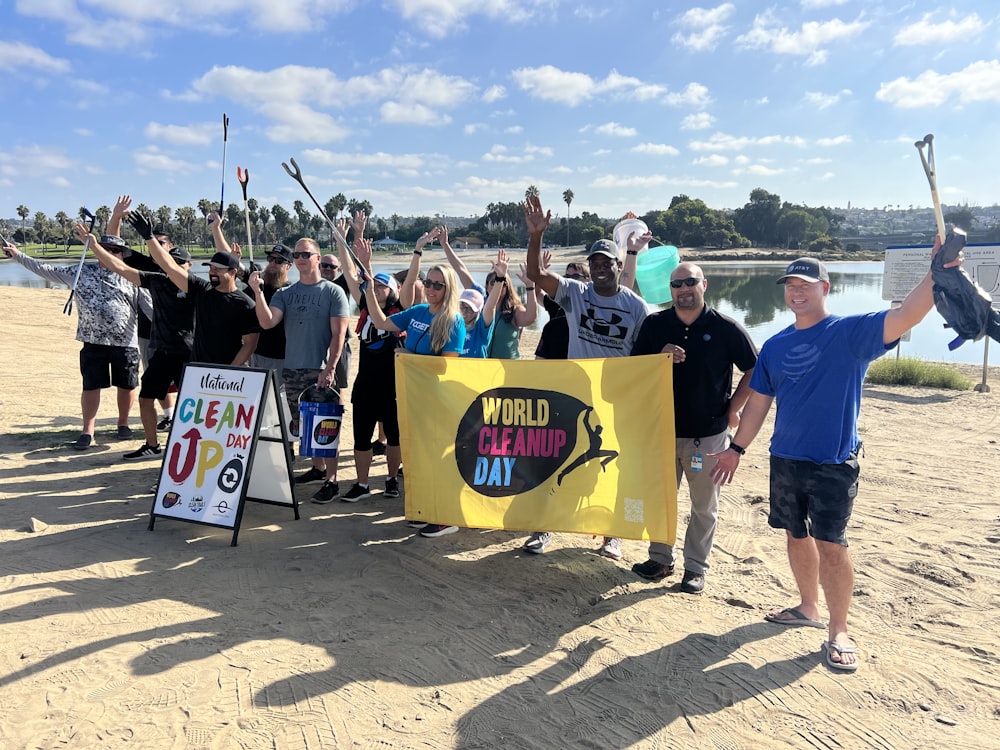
x=738, y=448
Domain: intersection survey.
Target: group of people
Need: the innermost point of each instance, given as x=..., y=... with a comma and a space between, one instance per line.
x=813, y=370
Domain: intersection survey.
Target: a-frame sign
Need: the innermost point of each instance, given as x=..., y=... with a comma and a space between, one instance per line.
x=227, y=445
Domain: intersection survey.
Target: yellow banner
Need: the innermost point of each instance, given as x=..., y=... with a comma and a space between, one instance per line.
x=581, y=446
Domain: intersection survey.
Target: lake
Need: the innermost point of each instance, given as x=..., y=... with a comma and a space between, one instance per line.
x=744, y=291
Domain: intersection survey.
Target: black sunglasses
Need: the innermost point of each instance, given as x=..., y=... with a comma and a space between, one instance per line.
x=276, y=259
x=329, y=265
x=689, y=281
x=303, y=254
x=437, y=286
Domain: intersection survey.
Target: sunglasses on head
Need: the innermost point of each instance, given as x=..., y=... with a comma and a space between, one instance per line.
x=576, y=276
x=437, y=286
x=303, y=254
x=689, y=281
x=333, y=266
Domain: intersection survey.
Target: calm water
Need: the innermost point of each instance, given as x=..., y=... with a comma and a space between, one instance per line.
x=747, y=292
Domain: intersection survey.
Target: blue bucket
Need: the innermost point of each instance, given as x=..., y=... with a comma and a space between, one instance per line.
x=319, y=429
x=652, y=270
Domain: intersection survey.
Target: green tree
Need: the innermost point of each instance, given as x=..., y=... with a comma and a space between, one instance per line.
x=64, y=222
x=163, y=215
x=568, y=200
x=793, y=226
x=102, y=214
x=531, y=192
x=186, y=217
x=264, y=213
x=395, y=219
x=23, y=212
x=41, y=227
x=758, y=219
x=303, y=217
x=281, y=219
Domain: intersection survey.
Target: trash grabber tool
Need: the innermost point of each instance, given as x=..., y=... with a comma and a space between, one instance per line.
x=243, y=177
x=930, y=169
x=68, y=307
x=297, y=176
x=225, y=143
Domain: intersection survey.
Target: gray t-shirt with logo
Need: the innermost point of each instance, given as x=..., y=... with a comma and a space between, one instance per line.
x=600, y=326
x=307, y=311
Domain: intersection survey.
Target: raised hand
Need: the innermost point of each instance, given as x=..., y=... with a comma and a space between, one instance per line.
x=122, y=206
x=358, y=223
x=546, y=258
x=363, y=250
x=501, y=264
x=522, y=275
x=140, y=224
x=535, y=217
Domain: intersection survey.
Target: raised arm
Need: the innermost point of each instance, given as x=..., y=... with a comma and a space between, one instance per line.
x=375, y=314
x=413, y=272
x=106, y=259
x=457, y=263
x=525, y=316
x=362, y=249
x=177, y=274
x=218, y=238
x=538, y=221
x=917, y=304
x=493, y=299
x=633, y=246
x=267, y=316
x=118, y=213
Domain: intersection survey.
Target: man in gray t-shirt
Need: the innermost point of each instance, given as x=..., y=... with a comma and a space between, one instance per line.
x=603, y=317
x=316, y=314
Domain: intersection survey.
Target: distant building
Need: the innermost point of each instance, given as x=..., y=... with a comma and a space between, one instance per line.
x=468, y=243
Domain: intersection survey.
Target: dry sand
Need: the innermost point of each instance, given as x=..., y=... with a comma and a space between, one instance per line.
x=345, y=630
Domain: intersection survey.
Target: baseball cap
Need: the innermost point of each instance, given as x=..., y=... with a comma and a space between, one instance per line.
x=808, y=269
x=387, y=280
x=472, y=298
x=281, y=251
x=223, y=260
x=604, y=247
x=113, y=243
x=180, y=255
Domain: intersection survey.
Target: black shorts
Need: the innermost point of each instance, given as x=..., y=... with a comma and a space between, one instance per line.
x=368, y=413
x=103, y=366
x=809, y=499
x=164, y=369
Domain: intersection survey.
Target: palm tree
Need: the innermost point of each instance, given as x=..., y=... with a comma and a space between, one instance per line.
x=567, y=199
x=23, y=212
x=531, y=192
x=63, y=220
x=102, y=214
x=41, y=220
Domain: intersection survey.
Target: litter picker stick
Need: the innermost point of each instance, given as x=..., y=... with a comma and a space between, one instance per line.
x=243, y=177
x=68, y=307
x=930, y=169
x=297, y=176
x=225, y=143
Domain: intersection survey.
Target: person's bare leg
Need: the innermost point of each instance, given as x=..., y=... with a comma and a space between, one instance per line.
x=836, y=575
x=803, y=557
x=393, y=458
x=363, y=464
x=147, y=413
x=126, y=400
x=90, y=402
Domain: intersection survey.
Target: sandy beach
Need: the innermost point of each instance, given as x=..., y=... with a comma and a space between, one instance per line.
x=344, y=629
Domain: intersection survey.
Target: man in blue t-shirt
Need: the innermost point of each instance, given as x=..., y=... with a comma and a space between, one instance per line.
x=814, y=370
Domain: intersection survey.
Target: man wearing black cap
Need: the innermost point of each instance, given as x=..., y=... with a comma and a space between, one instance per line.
x=225, y=325
x=170, y=338
x=107, y=313
x=603, y=316
x=814, y=369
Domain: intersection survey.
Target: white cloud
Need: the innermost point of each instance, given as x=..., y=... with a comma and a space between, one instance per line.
x=817, y=4
x=724, y=142
x=824, y=101
x=348, y=160
x=714, y=160
x=697, y=121
x=652, y=181
x=15, y=55
x=809, y=41
x=60, y=182
x=694, y=95
x=514, y=130
x=438, y=18
x=152, y=158
x=500, y=154
x=201, y=134
x=549, y=83
x=978, y=82
x=494, y=93
x=473, y=127
x=840, y=140
x=703, y=27
x=36, y=161
x=399, y=113
x=759, y=170
x=925, y=31
x=616, y=130
x=657, y=149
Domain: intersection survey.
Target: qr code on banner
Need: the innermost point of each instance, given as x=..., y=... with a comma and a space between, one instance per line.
x=634, y=510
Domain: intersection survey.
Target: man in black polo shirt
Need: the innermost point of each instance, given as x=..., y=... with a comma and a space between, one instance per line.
x=705, y=345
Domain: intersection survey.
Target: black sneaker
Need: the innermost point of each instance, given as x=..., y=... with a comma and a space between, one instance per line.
x=391, y=487
x=415, y=524
x=437, y=529
x=378, y=448
x=327, y=493
x=125, y=432
x=164, y=424
x=357, y=492
x=313, y=475
x=652, y=570
x=147, y=451
x=693, y=583
x=83, y=442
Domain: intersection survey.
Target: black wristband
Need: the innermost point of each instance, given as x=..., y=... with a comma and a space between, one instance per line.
x=418, y=252
x=499, y=278
x=738, y=448
x=529, y=288
x=631, y=252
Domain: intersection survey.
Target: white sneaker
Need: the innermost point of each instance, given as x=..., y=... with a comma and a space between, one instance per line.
x=538, y=542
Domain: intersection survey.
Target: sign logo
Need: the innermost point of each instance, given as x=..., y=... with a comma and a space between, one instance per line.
x=512, y=440
x=170, y=499
x=231, y=475
x=326, y=432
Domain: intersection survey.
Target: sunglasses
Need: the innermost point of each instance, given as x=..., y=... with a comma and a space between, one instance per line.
x=576, y=276
x=329, y=265
x=689, y=281
x=437, y=286
x=303, y=254
x=278, y=261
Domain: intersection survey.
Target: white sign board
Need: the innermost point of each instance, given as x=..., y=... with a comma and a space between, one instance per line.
x=226, y=446
x=906, y=266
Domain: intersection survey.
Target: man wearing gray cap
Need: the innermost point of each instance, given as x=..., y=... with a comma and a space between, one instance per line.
x=603, y=315
x=814, y=370
x=107, y=309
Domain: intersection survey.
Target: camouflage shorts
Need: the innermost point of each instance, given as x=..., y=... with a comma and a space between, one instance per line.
x=816, y=500
x=302, y=383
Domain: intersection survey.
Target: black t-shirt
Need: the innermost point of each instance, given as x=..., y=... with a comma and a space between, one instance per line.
x=173, y=314
x=703, y=382
x=377, y=361
x=221, y=319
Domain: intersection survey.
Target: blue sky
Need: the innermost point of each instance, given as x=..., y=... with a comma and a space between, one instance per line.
x=428, y=107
